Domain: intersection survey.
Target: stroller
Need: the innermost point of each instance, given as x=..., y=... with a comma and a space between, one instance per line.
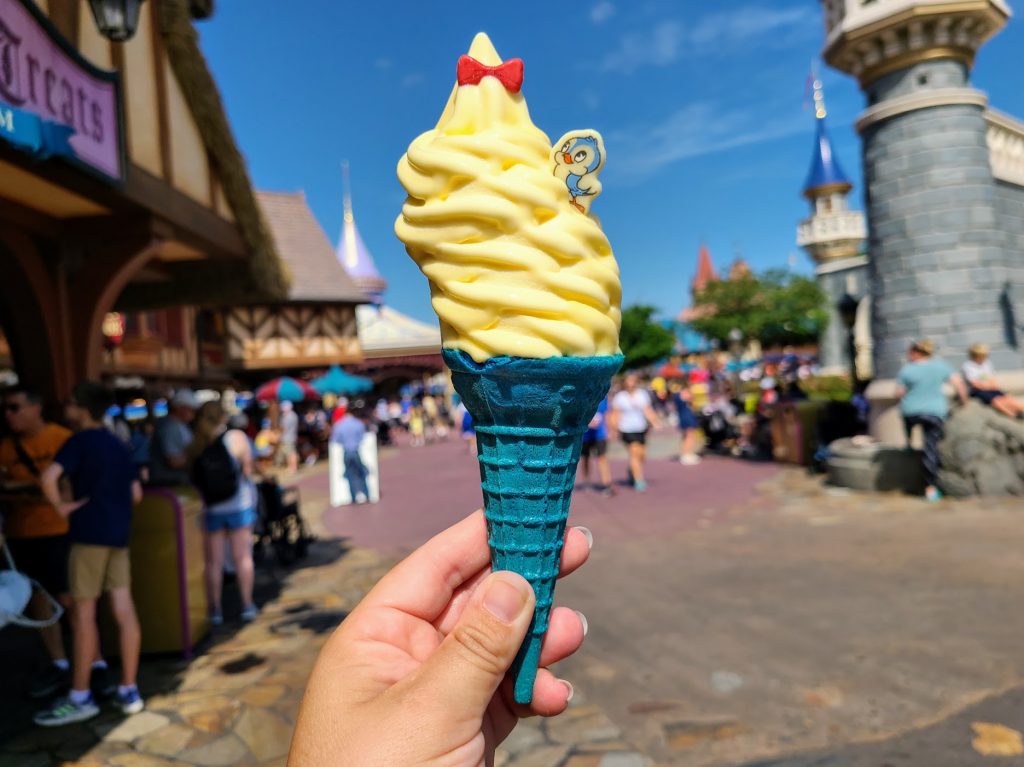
x=279, y=525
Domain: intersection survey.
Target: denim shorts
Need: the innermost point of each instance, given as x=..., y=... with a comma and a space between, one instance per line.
x=230, y=520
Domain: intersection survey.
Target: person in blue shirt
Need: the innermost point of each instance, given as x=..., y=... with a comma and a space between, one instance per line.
x=923, y=403
x=595, y=443
x=105, y=485
x=349, y=433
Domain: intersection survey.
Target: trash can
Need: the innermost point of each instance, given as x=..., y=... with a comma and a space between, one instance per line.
x=794, y=433
x=167, y=569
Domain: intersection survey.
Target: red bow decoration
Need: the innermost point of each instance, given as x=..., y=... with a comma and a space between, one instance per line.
x=510, y=73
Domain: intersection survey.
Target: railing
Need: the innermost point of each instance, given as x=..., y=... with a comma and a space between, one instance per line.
x=1006, y=147
x=848, y=225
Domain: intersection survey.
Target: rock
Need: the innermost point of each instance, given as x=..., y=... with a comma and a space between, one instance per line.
x=137, y=726
x=982, y=453
x=228, y=750
x=267, y=735
x=167, y=741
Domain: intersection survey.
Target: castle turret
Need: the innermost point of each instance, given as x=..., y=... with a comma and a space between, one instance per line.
x=355, y=256
x=937, y=256
x=833, y=236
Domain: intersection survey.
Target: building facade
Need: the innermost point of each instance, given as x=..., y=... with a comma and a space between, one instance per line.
x=121, y=186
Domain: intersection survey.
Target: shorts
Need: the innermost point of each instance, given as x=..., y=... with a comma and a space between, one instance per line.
x=629, y=437
x=229, y=520
x=95, y=569
x=285, y=450
x=595, y=447
x=987, y=396
x=43, y=559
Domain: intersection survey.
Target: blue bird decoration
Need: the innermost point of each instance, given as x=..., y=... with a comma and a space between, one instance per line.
x=579, y=157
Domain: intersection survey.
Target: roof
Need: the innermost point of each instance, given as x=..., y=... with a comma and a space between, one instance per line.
x=385, y=332
x=355, y=257
x=825, y=172
x=705, y=270
x=303, y=246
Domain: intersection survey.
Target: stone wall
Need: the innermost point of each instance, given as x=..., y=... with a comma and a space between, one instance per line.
x=1010, y=200
x=834, y=346
x=938, y=257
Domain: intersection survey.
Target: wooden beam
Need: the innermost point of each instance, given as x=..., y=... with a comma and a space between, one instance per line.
x=65, y=16
x=163, y=113
x=28, y=218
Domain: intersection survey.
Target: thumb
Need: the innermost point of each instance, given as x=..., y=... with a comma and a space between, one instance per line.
x=464, y=672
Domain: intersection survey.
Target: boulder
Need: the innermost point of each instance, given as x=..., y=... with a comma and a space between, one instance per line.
x=982, y=453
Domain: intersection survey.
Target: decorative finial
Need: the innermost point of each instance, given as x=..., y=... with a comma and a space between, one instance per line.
x=347, y=193
x=819, y=93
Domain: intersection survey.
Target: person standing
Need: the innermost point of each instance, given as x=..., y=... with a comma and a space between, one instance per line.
x=923, y=403
x=632, y=416
x=595, y=443
x=36, y=535
x=287, y=449
x=683, y=401
x=349, y=433
x=168, y=452
x=105, y=485
x=223, y=471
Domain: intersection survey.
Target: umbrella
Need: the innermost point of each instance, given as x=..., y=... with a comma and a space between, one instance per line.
x=337, y=381
x=286, y=388
x=671, y=370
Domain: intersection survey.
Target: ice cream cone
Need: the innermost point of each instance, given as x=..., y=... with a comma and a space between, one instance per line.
x=530, y=416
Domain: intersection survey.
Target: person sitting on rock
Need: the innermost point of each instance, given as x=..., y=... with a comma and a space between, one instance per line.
x=981, y=383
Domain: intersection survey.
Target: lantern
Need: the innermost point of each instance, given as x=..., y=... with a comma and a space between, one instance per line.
x=117, y=19
x=113, y=329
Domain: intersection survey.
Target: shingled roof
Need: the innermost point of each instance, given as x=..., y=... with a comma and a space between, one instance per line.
x=302, y=244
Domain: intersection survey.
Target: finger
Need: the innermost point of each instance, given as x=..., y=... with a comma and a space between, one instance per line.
x=566, y=629
x=574, y=554
x=424, y=582
x=462, y=676
x=551, y=696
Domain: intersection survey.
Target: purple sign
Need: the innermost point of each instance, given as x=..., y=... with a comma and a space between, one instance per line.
x=40, y=73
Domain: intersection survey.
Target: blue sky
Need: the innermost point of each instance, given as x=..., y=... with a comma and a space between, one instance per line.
x=702, y=110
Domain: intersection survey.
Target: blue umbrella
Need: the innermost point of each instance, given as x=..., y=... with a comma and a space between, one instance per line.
x=337, y=381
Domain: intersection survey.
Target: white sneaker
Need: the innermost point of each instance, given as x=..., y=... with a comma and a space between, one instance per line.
x=689, y=460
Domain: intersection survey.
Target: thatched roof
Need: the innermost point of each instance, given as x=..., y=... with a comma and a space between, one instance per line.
x=262, y=276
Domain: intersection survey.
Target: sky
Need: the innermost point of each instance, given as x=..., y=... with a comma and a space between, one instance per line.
x=703, y=111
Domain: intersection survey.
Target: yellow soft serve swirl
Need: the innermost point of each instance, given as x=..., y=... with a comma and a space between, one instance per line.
x=514, y=268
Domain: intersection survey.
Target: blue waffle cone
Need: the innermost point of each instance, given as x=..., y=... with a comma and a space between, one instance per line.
x=530, y=416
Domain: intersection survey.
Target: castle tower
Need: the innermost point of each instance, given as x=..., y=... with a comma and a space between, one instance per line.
x=355, y=256
x=833, y=236
x=938, y=260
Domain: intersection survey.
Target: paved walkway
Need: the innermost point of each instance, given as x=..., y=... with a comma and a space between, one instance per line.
x=740, y=614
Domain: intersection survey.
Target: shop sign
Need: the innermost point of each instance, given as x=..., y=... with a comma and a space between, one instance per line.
x=54, y=103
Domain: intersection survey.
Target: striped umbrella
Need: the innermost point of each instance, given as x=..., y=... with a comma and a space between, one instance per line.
x=285, y=388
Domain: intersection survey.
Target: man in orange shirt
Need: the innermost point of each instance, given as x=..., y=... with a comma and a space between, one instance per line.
x=36, y=534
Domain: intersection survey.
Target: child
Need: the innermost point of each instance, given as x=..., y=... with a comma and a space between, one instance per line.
x=105, y=484
x=683, y=400
x=417, y=426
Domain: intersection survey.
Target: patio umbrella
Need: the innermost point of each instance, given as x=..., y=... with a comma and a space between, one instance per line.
x=286, y=388
x=337, y=381
x=671, y=370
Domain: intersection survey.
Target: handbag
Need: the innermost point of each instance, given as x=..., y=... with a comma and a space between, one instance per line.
x=15, y=593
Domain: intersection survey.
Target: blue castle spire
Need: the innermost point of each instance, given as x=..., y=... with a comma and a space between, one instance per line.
x=825, y=172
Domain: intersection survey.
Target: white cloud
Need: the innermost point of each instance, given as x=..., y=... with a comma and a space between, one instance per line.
x=383, y=64
x=720, y=33
x=694, y=130
x=601, y=12
x=411, y=79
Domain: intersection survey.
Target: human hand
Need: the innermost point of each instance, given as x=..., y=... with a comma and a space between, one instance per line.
x=416, y=674
x=66, y=508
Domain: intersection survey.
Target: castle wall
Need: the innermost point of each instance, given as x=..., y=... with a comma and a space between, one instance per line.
x=848, y=276
x=937, y=249
x=1011, y=219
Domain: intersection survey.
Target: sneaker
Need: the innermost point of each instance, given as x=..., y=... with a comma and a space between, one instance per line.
x=689, y=460
x=65, y=711
x=100, y=684
x=217, y=619
x=608, y=491
x=933, y=494
x=51, y=680
x=640, y=486
x=130, y=702
x=249, y=613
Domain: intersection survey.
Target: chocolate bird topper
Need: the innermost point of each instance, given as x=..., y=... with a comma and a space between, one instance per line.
x=579, y=157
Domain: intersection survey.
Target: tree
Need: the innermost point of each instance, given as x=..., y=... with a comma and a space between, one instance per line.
x=775, y=308
x=643, y=340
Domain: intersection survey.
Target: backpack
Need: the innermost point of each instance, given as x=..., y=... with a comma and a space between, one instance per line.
x=215, y=473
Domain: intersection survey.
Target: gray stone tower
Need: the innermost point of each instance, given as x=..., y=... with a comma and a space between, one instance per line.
x=833, y=235
x=940, y=259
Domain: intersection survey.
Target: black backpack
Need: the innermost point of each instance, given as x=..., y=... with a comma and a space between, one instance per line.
x=215, y=474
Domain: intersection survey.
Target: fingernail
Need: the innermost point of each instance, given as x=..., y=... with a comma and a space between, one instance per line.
x=504, y=600
x=587, y=534
x=583, y=620
x=568, y=686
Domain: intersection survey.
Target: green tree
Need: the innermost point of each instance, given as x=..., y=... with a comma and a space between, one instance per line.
x=775, y=307
x=643, y=340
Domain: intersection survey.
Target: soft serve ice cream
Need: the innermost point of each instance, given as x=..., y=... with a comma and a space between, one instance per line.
x=517, y=266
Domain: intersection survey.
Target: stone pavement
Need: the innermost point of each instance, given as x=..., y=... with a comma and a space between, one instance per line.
x=740, y=614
